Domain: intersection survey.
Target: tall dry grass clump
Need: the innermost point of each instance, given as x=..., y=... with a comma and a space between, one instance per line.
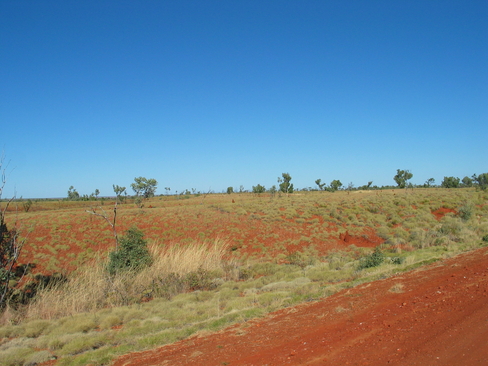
x=176, y=268
x=84, y=291
x=183, y=259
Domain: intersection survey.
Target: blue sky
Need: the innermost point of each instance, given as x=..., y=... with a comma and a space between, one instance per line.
x=211, y=94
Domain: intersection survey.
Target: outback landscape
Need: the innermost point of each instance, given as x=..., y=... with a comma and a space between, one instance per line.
x=310, y=277
x=216, y=183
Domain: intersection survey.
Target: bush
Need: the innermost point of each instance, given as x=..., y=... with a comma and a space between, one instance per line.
x=27, y=205
x=466, y=211
x=258, y=189
x=132, y=253
x=450, y=182
x=372, y=260
x=199, y=280
x=397, y=260
x=298, y=259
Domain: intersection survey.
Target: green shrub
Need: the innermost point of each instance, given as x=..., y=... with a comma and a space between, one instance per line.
x=466, y=211
x=298, y=259
x=451, y=227
x=372, y=260
x=132, y=253
x=397, y=260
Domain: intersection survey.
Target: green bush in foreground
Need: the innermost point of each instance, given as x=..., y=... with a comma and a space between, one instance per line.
x=132, y=253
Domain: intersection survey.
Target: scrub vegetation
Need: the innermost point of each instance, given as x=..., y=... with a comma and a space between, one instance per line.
x=186, y=266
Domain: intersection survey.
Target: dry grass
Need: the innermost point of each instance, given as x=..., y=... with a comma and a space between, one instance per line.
x=183, y=259
x=92, y=288
x=340, y=309
x=397, y=288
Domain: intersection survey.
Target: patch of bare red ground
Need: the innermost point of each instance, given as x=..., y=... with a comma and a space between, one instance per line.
x=64, y=256
x=439, y=318
x=367, y=239
x=441, y=212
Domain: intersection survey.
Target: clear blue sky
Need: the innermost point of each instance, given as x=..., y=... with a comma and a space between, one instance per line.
x=211, y=94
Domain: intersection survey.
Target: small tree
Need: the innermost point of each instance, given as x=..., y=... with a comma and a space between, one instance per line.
x=319, y=183
x=284, y=182
x=429, y=182
x=73, y=195
x=112, y=222
x=118, y=192
x=27, y=205
x=145, y=187
x=402, y=177
x=132, y=253
x=258, y=189
x=273, y=190
x=335, y=185
x=230, y=190
x=467, y=181
x=450, y=182
x=481, y=180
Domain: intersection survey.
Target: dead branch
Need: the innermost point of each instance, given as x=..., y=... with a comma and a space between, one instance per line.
x=104, y=215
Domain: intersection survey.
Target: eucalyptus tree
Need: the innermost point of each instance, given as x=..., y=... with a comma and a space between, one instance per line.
x=284, y=182
x=450, y=182
x=402, y=177
x=144, y=187
x=319, y=183
x=258, y=189
x=335, y=185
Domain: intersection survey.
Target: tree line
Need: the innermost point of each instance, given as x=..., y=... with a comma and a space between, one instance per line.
x=401, y=178
x=144, y=188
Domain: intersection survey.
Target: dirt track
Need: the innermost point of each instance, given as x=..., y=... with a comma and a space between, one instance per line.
x=440, y=318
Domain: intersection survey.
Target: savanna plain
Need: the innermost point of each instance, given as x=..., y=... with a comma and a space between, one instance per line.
x=232, y=276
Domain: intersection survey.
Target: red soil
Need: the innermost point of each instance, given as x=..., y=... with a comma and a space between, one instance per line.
x=441, y=212
x=439, y=318
x=60, y=237
x=368, y=239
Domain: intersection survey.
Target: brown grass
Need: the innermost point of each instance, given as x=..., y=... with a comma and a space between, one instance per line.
x=91, y=288
x=183, y=259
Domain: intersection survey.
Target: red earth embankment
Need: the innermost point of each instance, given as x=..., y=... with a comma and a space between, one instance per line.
x=436, y=315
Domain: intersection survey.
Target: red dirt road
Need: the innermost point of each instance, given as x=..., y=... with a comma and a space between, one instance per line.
x=440, y=318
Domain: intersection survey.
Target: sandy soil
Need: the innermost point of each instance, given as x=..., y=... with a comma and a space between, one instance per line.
x=437, y=315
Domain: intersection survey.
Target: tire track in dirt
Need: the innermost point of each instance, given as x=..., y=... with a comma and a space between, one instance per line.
x=440, y=317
